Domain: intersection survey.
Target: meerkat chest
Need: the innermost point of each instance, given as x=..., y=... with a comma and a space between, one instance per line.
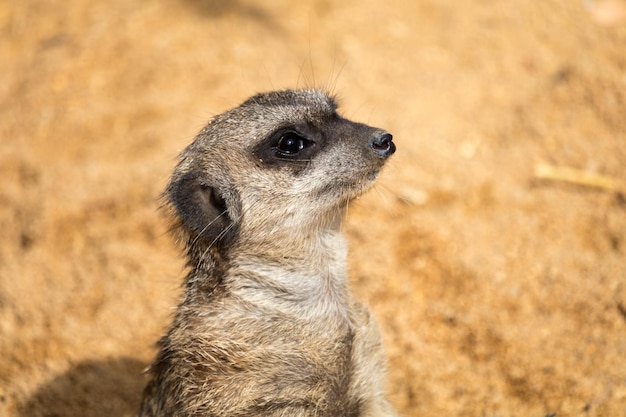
x=280, y=362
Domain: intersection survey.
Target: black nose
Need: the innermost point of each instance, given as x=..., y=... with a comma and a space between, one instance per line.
x=383, y=144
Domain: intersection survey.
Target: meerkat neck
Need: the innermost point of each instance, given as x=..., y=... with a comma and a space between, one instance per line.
x=313, y=278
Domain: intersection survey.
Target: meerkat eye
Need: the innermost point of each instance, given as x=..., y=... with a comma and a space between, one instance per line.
x=290, y=143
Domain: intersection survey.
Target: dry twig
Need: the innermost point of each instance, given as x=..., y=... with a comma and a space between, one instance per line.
x=579, y=177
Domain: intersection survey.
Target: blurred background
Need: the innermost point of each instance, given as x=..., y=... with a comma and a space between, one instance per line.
x=492, y=249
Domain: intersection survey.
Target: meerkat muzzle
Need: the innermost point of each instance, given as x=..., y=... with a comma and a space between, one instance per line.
x=383, y=145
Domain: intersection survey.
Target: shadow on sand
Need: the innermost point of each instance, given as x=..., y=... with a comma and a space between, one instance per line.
x=91, y=389
x=216, y=9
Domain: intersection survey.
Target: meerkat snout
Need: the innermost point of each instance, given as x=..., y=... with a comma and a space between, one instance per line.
x=383, y=144
x=267, y=325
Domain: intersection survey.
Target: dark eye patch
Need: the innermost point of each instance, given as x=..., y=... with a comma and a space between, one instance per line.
x=289, y=146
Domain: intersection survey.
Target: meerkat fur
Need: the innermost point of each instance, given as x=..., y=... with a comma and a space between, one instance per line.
x=267, y=325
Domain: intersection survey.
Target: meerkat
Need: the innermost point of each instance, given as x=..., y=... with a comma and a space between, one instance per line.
x=267, y=325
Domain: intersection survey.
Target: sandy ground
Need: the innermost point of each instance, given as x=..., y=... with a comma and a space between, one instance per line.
x=500, y=292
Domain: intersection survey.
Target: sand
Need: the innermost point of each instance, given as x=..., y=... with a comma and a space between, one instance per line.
x=493, y=249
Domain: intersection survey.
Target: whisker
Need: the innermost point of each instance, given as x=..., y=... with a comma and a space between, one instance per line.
x=311, y=56
x=207, y=226
x=388, y=196
x=331, y=84
x=218, y=237
x=301, y=75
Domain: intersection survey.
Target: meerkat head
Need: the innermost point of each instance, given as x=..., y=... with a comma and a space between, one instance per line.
x=281, y=163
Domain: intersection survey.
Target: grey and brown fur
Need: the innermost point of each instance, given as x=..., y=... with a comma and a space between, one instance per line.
x=267, y=325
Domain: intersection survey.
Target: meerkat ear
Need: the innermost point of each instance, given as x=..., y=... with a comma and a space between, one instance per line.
x=201, y=208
